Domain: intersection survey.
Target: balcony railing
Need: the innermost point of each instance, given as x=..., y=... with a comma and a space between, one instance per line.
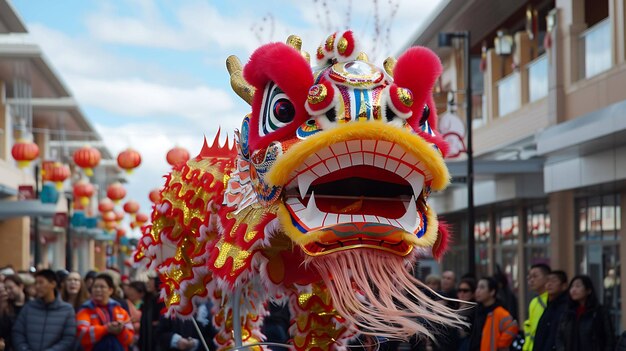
x=509, y=94
x=537, y=78
x=595, y=49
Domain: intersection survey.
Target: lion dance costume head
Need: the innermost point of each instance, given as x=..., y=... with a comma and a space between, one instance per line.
x=322, y=202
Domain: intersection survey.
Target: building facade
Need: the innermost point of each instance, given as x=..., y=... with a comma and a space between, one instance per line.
x=36, y=104
x=549, y=138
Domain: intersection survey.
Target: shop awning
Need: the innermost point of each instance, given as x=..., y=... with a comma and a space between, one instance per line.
x=25, y=208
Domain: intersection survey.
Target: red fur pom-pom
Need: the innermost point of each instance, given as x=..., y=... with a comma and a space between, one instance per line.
x=443, y=240
x=417, y=69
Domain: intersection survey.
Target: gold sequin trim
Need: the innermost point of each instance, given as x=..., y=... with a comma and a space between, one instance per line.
x=317, y=94
x=342, y=45
x=405, y=96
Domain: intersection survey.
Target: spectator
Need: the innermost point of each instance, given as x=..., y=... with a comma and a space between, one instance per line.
x=5, y=320
x=118, y=294
x=505, y=294
x=89, y=277
x=537, y=277
x=433, y=281
x=73, y=291
x=102, y=323
x=465, y=292
x=45, y=323
x=135, y=293
x=585, y=325
x=17, y=297
x=556, y=287
x=179, y=334
x=6, y=271
x=150, y=312
x=493, y=328
x=61, y=274
x=276, y=324
x=448, y=284
x=29, y=285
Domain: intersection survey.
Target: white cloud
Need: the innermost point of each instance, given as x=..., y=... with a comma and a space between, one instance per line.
x=129, y=87
x=140, y=98
x=199, y=26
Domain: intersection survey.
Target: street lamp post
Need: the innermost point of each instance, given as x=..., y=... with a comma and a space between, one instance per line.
x=36, y=234
x=68, y=234
x=445, y=40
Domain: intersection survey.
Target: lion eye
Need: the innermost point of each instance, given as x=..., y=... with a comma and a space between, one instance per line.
x=276, y=111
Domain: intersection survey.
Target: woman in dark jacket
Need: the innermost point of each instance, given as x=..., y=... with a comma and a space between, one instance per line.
x=586, y=325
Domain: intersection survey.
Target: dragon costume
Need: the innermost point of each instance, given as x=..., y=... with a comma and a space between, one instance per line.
x=321, y=202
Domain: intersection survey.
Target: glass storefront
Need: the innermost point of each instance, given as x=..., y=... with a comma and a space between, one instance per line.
x=597, y=248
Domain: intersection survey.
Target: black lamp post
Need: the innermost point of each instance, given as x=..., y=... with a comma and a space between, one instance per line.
x=445, y=39
x=68, y=233
x=36, y=234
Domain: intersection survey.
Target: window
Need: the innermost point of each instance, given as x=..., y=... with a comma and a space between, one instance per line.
x=456, y=258
x=482, y=234
x=597, y=248
x=536, y=239
x=507, y=236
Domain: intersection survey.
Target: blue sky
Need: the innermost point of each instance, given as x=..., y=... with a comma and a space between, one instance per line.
x=151, y=74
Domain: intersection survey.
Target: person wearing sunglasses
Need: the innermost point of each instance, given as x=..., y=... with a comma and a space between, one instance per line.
x=465, y=292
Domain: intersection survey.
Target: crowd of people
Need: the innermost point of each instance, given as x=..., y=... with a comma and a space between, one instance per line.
x=565, y=315
x=61, y=310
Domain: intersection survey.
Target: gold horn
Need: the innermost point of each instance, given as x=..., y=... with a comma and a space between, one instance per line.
x=295, y=42
x=389, y=64
x=306, y=56
x=362, y=57
x=237, y=82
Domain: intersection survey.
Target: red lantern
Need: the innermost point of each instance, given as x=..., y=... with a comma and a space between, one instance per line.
x=129, y=159
x=141, y=219
x=87, y=158
x=55, y=172
x=177, y=156
x=105, y=205
x=78, y=206
x=155, y=196
x=119, y=216
x=83, y=191
x=131, y=207
x=110, y=225
x=109, y=216
x=120, y=232
x=116, y=192
x=24, y=152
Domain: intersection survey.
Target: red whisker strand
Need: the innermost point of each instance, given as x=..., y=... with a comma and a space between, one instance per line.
x=375, y=291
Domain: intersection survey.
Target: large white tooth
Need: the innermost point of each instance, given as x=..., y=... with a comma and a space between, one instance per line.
x=311, y=208
x=312, y=217
x=304, y=181
x=410, y=217
x=416, y=180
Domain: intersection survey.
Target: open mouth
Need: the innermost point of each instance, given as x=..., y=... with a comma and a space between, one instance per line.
x=358, y=193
